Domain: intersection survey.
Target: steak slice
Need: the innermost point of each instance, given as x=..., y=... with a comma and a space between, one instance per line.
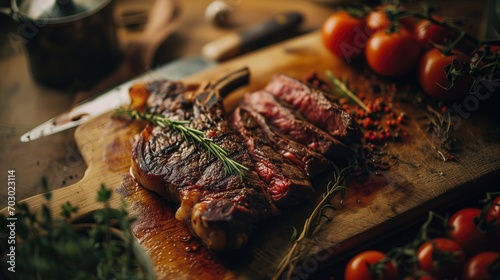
x=219, y=208
x=287, y=184
x=311, y=162
x=316, y=107
x=283, y=120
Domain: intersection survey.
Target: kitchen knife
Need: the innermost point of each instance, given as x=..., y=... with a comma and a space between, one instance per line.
x=280, y=26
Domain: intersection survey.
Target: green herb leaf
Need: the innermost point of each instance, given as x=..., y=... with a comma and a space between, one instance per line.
x=68, y=209
x=190, y=135
x=103, y=194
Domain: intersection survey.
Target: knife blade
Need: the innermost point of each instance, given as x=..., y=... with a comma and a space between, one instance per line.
x=251, y=38
x=115, y=97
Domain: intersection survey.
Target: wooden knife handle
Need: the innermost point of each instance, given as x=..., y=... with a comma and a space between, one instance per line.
x=275, y=29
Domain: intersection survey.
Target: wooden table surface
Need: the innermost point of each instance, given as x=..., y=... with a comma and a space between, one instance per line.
x=24, y=103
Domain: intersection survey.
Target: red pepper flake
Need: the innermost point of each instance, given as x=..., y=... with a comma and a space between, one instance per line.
x=391, y=123
x=367, y=122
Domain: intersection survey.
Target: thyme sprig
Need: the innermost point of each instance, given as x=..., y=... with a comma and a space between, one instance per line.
x=301, y=242
x=190, y=135
x=100, y=245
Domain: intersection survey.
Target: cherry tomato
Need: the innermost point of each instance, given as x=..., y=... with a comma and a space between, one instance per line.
x=493, y=220
x=432, y=74
x=345, y=35
x=493, y=214
x=465, y=232
x=370, y=265
x=441, y=258
x=485, y=265
x=392, y=54
x=428, y=34
x=377, y=20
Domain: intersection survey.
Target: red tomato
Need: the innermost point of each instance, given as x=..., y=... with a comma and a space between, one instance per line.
x=370, y=265
x=491, y=49
x=392, y=54
x=465, y=232
x=377, y=20
x=493, y=214
x=428, y=34
x=432, y=74
x=441, y=257
x=344, y=35
x=493, y=220
x=485, y=265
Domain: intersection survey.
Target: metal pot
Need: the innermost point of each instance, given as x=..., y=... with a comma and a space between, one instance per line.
x=68, y=41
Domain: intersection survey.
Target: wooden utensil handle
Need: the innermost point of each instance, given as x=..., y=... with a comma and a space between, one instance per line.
x=279, y=27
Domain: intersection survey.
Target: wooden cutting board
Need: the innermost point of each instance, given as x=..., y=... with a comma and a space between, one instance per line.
x=416, y=181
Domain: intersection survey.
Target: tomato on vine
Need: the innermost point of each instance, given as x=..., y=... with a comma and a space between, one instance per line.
x=436, y=78
x=429, y=34
x=484, y=265
x=493, y=213
x=371, y=265
x=465, y=231
x=378, y=19
x=392, y=54
x=345, y=35
x=441, y=258
x=493, y=224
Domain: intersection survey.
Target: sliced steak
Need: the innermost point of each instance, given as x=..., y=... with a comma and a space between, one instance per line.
x=219, y=208
x=316, y=107
x=282, y=119
x=287, y=184
x=311, y=162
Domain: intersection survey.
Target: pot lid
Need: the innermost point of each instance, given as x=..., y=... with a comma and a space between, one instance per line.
x=58, y=10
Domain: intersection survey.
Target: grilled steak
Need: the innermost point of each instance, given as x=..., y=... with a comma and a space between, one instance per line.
x=221, y=209
x=309, y=161
x=316, y=107
x=286, y=183
x=279, y=137
x=282, y=119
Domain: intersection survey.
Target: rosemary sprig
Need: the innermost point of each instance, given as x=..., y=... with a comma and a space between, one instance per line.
x=345, y=90
x=311, y=225
x=191, y=135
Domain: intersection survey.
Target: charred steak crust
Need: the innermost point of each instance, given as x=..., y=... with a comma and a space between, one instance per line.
x=287, y=184
x=316, y=107
x=281, y=118
x=310, y=161
x=221, y=209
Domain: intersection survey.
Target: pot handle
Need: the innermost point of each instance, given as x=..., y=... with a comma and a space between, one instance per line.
x=163, y=20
